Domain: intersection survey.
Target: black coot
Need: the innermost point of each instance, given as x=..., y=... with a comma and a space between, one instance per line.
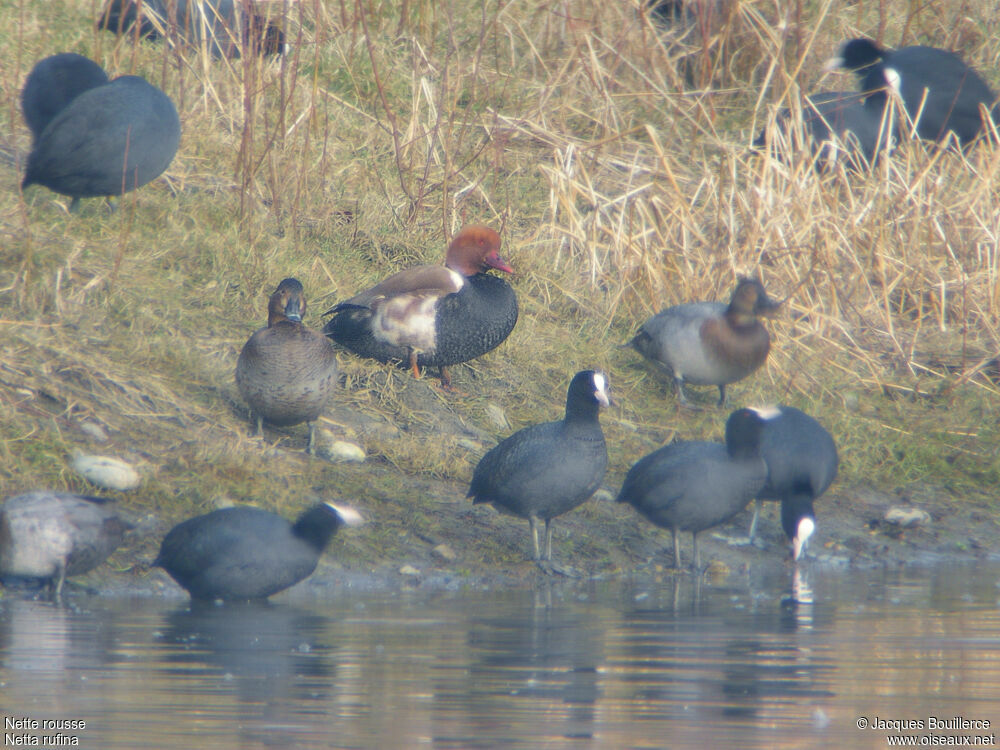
x=802, y=463
x=693, y=486
x=107, y=141
x=545, y=470
x=833, y=122
x=229, y=26
x=939, y=91
x=245, y=553
x=53, y=83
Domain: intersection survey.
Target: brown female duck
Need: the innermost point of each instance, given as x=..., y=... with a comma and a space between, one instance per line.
x=710, y=343
x=433, y=316
x=287, y=372
x=52, y=535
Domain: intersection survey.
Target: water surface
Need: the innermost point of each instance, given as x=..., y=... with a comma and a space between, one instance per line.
x=617, y=665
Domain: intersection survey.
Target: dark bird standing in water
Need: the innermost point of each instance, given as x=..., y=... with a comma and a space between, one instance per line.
x=545, y=470
x=245, y=553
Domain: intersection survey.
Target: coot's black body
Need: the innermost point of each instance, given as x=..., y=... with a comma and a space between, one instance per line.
x=802, y=463
x=693, y=486
x=543, y=471
x=228, y=26
x=53, y=83
x=939, y=91
x=244, y=553
x=833, y=121
x=107, y=141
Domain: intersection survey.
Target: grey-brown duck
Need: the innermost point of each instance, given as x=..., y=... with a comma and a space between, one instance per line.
x=710, y=343
x=53, y=535
x=287, y=372
x=433, y=316
x=545, y=470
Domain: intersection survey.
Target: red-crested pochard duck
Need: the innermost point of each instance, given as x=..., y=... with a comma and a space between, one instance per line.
x=433, y=316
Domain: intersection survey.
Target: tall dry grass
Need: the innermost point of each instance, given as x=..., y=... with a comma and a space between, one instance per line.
x=611, y=152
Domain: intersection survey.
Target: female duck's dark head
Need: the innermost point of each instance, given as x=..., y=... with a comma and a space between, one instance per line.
x=588, y=392
x=743, y=431
x=476, y=249
x=318, y=524
x=749, y=301
x=288, y=303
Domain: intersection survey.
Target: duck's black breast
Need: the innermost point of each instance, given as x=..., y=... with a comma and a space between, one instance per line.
x=468, y=324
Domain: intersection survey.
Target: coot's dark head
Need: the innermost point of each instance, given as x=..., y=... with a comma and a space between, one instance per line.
x=743, y=431
x=318, y=524
x=288, y=303
x=749, y=301
x=588, y=391
x=266, y=38
x=800, y=525
x=475, y=249
x=53, y=83
x=857, y=55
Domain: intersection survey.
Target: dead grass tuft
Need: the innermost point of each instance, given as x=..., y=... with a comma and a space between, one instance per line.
x=614, y=157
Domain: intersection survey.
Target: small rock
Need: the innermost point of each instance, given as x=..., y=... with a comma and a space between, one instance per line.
x=444, y=552
x=106, y=472
x=341, y=450
x=603, y=496
x=495, y=413
x=907, y=516
x=409, y=570
x=95, y=431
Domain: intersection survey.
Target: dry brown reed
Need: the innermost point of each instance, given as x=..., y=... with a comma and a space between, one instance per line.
x=612, y=153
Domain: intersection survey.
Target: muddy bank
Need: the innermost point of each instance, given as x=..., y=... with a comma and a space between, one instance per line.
x=476, y=547
x=422, y=532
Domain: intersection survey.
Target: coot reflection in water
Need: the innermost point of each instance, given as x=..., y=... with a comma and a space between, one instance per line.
x=271, y=658
x=528, y=657
x=654, y=662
